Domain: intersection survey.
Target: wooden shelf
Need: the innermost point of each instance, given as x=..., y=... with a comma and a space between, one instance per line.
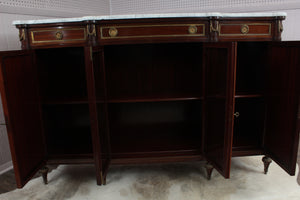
x=155, y=98
x=244, y=95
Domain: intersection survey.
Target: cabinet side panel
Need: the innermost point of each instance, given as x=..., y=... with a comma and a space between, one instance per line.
x=20, y=101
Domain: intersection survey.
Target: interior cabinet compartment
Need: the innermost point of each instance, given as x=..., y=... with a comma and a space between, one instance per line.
x=151, y=128
x=151, y=72
x=249, y=124
x=62, y=74
x=67, y=129
x=251, y=68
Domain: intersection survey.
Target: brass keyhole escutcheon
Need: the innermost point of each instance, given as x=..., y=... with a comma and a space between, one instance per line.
x=192, y=29
x=236, y=114
x=113, y=32
x=59, y=35
x=245, y=29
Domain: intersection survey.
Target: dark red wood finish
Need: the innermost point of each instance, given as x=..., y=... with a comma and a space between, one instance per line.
x=152, y=93
x=20, y=98
x=156, y=30
x=89, y=66
x=282, y=127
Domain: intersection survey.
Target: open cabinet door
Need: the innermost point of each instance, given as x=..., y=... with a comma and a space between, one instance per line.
x=219, y=64
x=20, y=98
x=95, y=71
x=283, y=114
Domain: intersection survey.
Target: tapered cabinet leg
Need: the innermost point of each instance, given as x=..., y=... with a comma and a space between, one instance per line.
x=267, y=161
x=44, y=171
x=209, y=168
x=103, y=178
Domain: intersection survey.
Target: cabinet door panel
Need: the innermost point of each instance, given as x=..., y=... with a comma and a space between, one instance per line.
x=219, y=75
x=282, y=125
x=19, y=92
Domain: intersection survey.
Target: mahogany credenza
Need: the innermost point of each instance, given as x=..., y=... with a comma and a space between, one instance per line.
x=135, y=89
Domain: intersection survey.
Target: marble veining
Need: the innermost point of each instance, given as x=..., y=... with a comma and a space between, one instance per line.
x=140, y=16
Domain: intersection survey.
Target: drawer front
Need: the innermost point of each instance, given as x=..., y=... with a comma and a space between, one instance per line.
x=57, y=36
x=152, y=31
x=247, y=30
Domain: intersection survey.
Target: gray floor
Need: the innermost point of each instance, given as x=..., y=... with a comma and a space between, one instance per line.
x=8, y=182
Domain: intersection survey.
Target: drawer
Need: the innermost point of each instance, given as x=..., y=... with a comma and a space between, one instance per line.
x=246, y=30
x=57, y=36
x=112, y=32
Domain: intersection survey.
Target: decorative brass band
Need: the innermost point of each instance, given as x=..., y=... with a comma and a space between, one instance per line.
x=22, y=35
x=101, y=177
x=147, y=36
x=62, y=40
x=245, y=29
x=243, y=34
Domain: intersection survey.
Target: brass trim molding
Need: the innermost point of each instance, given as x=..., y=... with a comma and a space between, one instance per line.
x=151, y=36
x=33, y=41
x=243, y=25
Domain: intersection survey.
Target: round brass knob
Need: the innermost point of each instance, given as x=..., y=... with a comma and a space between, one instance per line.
x=245, y=29
x=59, y=35
x=236, y=114
x=113, y=32
x=192, y=29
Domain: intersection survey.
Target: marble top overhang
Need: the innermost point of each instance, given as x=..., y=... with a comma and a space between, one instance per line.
x=143, y=16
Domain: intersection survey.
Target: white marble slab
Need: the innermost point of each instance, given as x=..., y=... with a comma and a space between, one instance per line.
x=140, y=16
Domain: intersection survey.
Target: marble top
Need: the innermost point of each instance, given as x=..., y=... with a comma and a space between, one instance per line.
x=141, y=16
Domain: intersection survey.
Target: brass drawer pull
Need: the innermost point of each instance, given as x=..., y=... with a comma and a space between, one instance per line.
x=59, y=35
x=113, y=32
x=236, y=114
x=192, y=29
x=244, y=29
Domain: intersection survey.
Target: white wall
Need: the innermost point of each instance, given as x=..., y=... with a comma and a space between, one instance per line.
x=291, y=7
x=291, y=25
